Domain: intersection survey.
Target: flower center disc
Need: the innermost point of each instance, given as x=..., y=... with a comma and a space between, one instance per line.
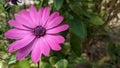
x=39, y=31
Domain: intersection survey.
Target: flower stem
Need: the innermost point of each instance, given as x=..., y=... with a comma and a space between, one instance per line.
x=38, y=65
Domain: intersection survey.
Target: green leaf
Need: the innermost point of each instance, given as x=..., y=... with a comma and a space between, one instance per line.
x=75, y=45
x=23, y=64
x=53, y=60
x=58, y=4
x=1, y=64
x=96, y=21
x=77, y=27
x=12, y=59
x=80, y=60
x=45, y=65
x=66, y=48
x=63, y=63
x=78, y=10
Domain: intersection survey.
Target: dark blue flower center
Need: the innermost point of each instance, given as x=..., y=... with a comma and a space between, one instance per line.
x=39, y=31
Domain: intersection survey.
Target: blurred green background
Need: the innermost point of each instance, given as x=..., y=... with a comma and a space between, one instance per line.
x=92, y=41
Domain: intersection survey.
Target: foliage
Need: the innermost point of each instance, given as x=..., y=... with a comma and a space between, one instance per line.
x=92, y=41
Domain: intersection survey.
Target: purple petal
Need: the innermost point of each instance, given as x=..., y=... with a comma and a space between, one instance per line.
x=45, y=15
x=40, y=12
x=34, y=16
x=57, y=38
x=20, y=43
x=36, y=52
x=58, y=29
x=23, y=52
x=27, y=19
x=53, y=15
x=45, y=49
x=52, y=43
x=15, y=24
x=22, y=19
x=16, y=34
x=56, y=21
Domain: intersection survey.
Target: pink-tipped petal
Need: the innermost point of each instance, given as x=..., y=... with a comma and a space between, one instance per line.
x=58, y=29
x=23, y=52
x=52, y=43
x=53, y=15
x=27, y=18
x=15, y=24
x=34, y=15
x=40, y=12
x=16, y=34
x=57, y=38
x=24, y=19
x=24, y=12
x=44, y=47
x=20, y=43
x=56, y=21
x=36, y=52
x=45, y=15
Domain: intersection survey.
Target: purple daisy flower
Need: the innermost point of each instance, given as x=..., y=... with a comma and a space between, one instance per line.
x=13, y=1
x=36, y=32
